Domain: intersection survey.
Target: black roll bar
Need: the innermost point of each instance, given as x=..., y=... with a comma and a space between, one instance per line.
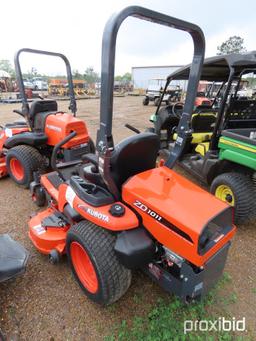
x=104, y=136
x=25, y=106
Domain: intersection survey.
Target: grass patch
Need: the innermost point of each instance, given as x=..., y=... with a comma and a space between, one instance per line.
x=165, y=321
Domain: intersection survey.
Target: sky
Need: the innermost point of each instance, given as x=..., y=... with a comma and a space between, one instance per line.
x=75, y=28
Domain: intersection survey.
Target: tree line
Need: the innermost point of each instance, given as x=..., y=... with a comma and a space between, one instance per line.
x=234, y=44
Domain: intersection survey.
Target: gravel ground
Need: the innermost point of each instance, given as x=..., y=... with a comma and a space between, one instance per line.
x=47, y=304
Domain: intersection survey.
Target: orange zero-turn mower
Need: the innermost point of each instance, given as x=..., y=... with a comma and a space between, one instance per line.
x=26, y=146
x=121, y=212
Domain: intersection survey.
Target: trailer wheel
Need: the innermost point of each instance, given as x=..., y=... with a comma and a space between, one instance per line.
x=90, y=251
x=145, y=101
x=21, y=162
x=236, y=190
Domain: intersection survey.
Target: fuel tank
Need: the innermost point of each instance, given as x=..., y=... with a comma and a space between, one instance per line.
x=58, y=126
x=179, y=214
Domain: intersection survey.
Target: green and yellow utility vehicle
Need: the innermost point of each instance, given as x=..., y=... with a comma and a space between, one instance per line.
x=221, y=138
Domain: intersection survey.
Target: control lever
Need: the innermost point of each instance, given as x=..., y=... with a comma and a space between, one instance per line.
x=135, y=130
x=19, y=112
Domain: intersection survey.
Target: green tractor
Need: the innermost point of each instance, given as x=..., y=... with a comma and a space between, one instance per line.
x=221, y=140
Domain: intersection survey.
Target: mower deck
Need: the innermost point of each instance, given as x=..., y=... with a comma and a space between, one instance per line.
x=13, y=258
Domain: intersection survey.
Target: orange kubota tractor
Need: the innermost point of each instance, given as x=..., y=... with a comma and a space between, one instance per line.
x=26, y=146
x=121, y=212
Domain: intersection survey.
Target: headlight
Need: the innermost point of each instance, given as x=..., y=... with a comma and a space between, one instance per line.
x=215, y=230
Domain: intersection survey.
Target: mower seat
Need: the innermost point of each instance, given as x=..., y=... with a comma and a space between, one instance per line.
x=44, y=108
x=134, y=155
x=131, y=156
x=13, y=258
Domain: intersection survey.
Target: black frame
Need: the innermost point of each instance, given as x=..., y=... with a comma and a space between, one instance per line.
x=104, y=136
x=214, y=70
x=25, y=105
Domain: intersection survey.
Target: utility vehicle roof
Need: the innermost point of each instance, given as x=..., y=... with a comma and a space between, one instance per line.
x=218, y=68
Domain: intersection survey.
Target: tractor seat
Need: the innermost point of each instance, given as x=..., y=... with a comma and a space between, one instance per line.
x=134, y=155
x=203, y=122
x=202, y=125
x=131, y=156
x=42, y=106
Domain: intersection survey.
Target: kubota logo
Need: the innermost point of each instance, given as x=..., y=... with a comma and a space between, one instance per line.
x=51, y=127
x=97, y=214
x=94, y=213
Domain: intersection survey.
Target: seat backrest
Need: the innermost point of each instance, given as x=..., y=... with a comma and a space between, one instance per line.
x=203, y=122
x=134, y=155
x=42, y=106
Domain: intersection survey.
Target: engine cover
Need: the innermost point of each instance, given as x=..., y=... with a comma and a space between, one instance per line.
x=177, y=212
x=58, y=126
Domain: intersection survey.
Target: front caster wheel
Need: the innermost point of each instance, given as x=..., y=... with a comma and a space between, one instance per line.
x=54, y=257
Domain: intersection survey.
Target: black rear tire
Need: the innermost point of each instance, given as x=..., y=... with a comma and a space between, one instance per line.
x=30, y=161
x=244, y=194
x=145, y=101
x=113, y=278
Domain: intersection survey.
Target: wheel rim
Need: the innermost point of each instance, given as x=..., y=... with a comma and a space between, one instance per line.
x=84, y=267
x=17, y=169
x=224, y=193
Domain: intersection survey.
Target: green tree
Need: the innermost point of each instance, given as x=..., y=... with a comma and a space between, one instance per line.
x=233, y=44
x=6, y=65
x=77, y=75
x=118, y=78
x=127, y=77
x=91, y=76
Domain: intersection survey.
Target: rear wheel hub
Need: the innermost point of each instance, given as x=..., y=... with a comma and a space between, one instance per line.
x=84, y=267
x=224, y=193
x=17, y=169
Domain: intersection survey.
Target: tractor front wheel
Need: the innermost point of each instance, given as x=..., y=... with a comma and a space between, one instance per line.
x=22, y=161
x=238, y=191
x=90, y=251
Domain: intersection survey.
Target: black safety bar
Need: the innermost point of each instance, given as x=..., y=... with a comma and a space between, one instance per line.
x=104, y=136
x=25, y=106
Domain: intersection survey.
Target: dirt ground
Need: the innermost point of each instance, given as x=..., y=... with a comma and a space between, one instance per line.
x=47, y=304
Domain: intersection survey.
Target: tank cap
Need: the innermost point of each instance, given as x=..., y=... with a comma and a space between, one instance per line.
x=117, y=210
